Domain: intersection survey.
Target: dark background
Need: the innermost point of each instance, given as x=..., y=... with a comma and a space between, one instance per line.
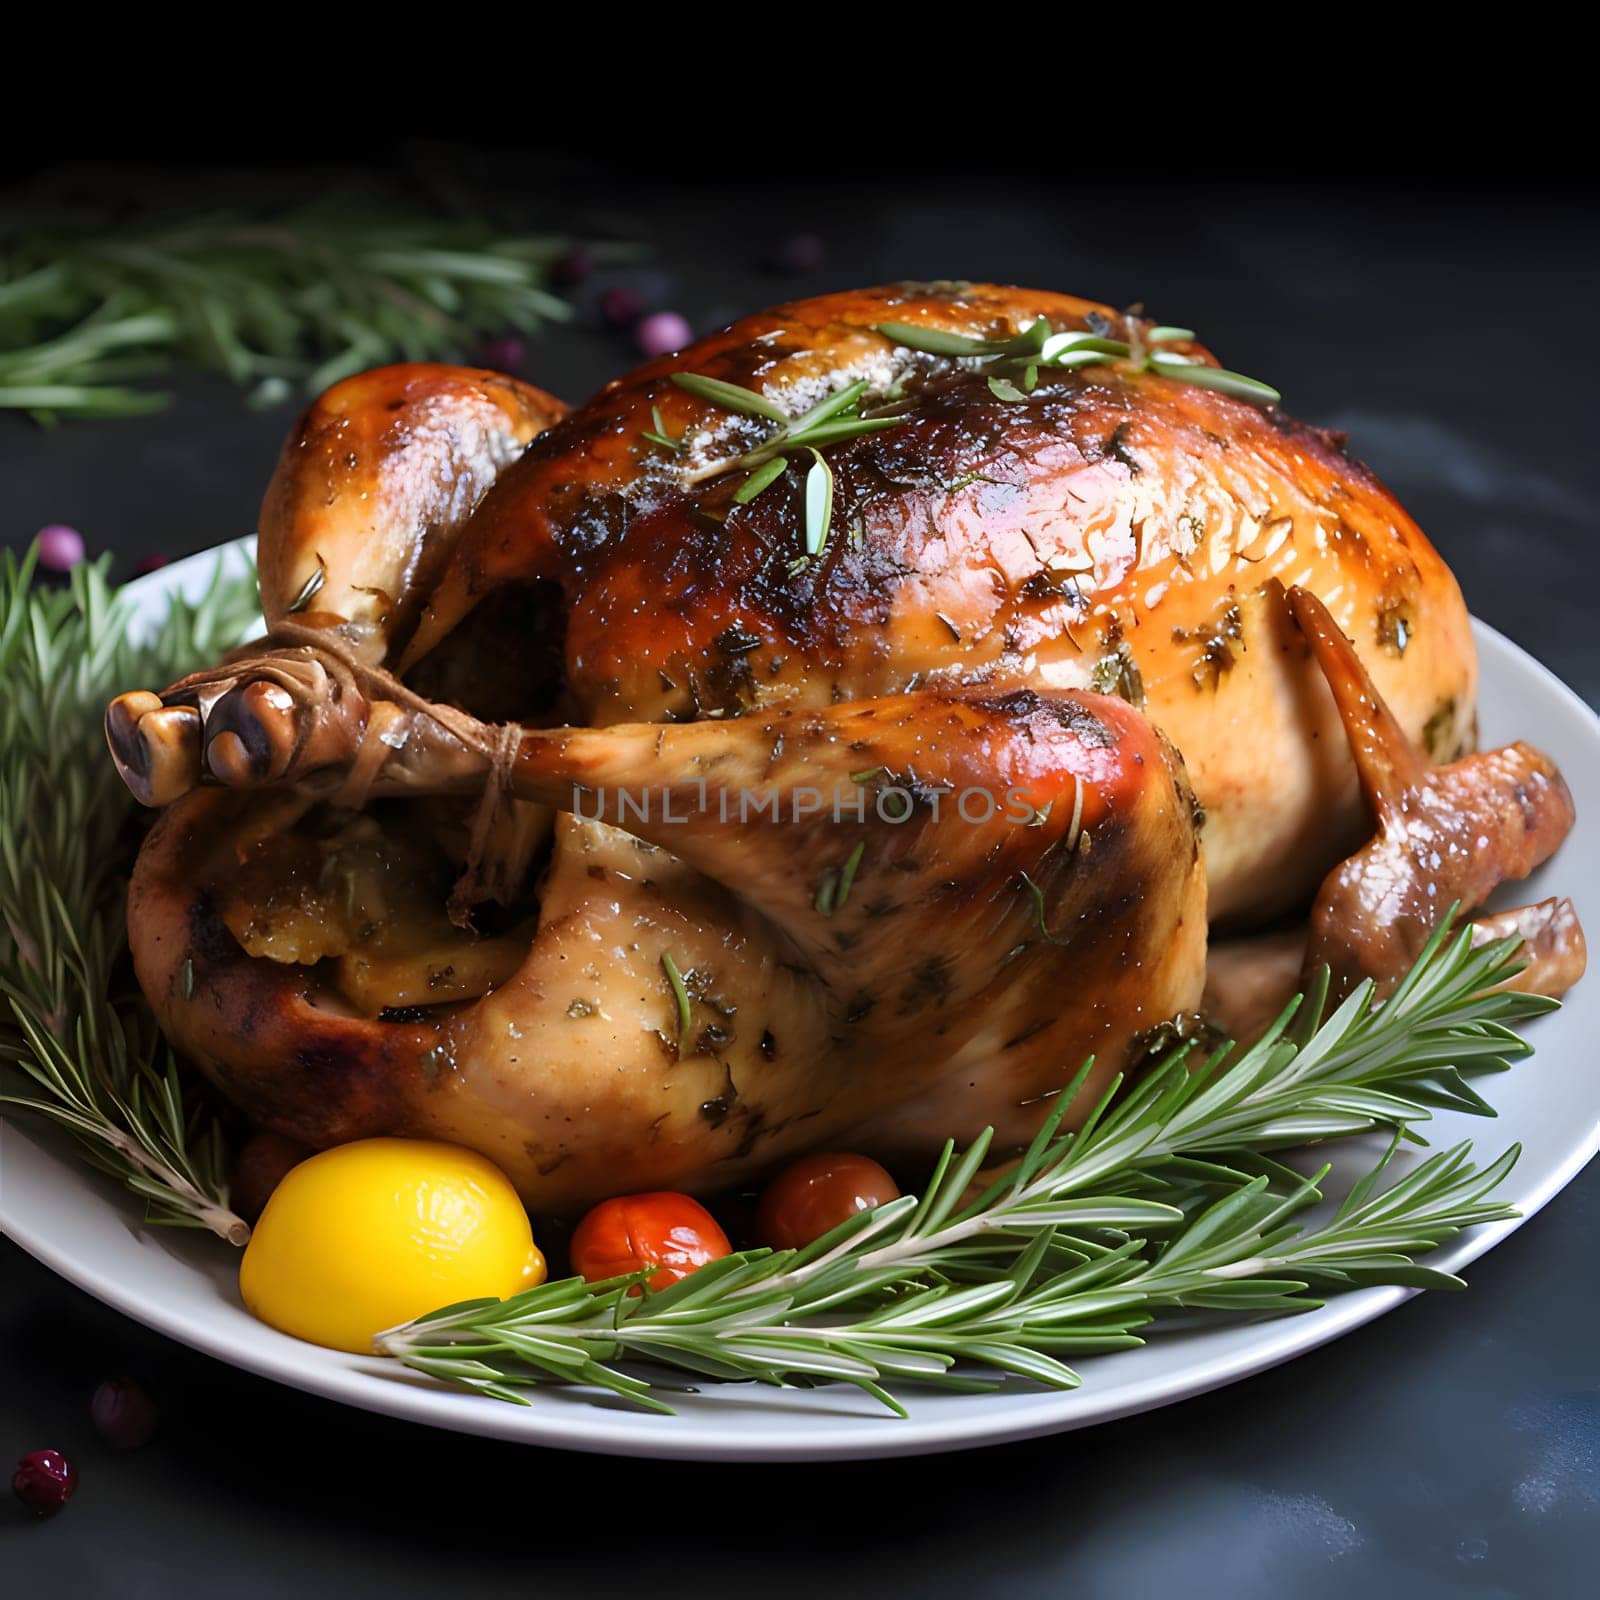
x=1446, y=321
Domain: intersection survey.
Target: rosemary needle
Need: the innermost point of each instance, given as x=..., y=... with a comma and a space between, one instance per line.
x=760, y=479
x=833, y=886
x=1036, y=895
x=659, y=434
x=847, y=876
x=680, y=996
x=819, y=504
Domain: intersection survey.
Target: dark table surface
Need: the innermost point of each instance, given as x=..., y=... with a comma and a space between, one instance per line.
x=1452, y=1448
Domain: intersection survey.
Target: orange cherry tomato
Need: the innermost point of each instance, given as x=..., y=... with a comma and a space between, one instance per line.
x=667, y=1231
x=818, y=1193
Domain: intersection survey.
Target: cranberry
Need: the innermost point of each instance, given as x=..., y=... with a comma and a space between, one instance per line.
x=125, y=1415
x=44, y=1481
x=620, y=307
x=505, y=354
x=661, y=333
x=60, y=547
x=573, y=267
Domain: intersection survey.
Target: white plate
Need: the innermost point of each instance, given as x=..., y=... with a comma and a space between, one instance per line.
x=183, y=1284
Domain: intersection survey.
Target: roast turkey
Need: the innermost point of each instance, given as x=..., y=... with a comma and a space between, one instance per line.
x=642, y=800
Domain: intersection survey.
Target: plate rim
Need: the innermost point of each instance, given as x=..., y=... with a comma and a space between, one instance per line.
x=599, y=1430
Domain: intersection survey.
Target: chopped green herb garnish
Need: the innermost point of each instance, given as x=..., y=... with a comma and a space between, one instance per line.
x=935, y=341
x=833, y=887
x=1118, y=673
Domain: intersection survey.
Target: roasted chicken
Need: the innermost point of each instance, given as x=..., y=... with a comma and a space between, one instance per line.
x=639, y=800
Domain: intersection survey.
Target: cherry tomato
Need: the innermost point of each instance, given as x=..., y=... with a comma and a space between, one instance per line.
x=667, y=1231
x=818, y=1193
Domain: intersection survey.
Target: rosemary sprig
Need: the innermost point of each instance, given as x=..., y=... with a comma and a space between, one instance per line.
x=76, y=1045
x=830, y=420
x=304, y=298
x=1158, y=1202
x=1038, y=345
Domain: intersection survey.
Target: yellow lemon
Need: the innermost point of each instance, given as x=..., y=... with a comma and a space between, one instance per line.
x=369, y=1234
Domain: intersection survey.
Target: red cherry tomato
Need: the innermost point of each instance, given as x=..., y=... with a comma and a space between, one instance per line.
x=667, y=1231
x=818, y=1193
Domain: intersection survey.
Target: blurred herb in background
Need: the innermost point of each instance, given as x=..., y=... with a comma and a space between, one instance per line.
x=303, y=298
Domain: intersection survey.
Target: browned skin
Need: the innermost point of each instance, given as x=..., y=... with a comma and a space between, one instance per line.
x=1445, y=835
x=929, y=1004
x=376, y=484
